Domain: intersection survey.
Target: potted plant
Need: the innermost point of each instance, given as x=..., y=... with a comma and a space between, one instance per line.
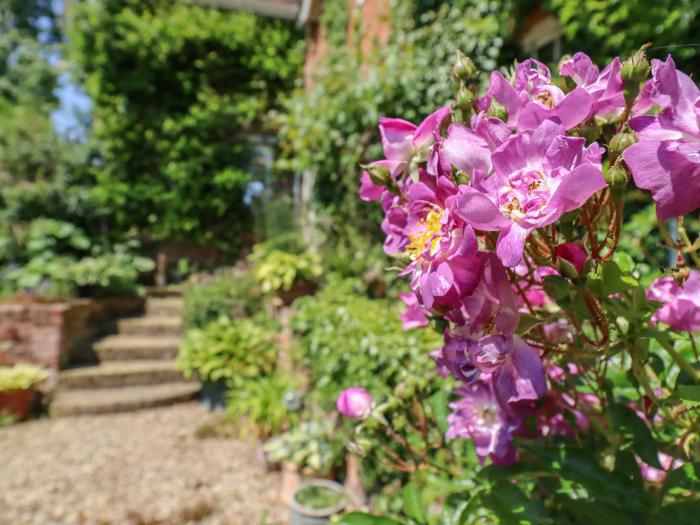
x=17, y=388
x=288, y=275
x=316, y=501
x=259, y=405
x=224, y=352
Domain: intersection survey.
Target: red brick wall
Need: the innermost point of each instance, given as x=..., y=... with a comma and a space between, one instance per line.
x=374, y=25
x=51, y=334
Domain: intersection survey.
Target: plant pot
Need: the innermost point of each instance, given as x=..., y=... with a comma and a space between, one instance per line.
x=17, y=403
x=298, y=289
x=303, y=514
x=213, y=394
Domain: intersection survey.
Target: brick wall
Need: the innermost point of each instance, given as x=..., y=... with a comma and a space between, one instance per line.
x=54, y=334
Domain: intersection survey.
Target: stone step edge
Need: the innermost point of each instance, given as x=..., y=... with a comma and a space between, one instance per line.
x=123, y=399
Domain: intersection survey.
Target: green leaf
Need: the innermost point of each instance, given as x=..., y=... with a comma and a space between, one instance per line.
x=413, y=504
x=681, y=513
x=634, y=430
x=512, y=505
x=362, y=518
x=689, y=392
x=439, y=404
x=528, y=322
x=686, y=477
x=614, y=280
x=556, y=286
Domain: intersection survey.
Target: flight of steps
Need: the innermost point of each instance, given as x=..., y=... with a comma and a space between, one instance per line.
x=136, y=369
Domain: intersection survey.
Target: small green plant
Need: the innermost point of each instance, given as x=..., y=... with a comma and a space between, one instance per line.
x=313, y=446
x=230, y=292
x=347, y=339
x=232, y=350
x=6, y=419
x=52, y=258
x=115, y=272
x=259, y=404
x=277, y=270
x=318, y=497
x=20, y=377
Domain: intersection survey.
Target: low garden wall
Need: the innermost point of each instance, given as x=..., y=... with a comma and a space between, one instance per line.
x=54, y=334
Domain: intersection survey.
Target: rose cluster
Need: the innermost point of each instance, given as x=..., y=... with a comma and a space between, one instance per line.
x=482, y=202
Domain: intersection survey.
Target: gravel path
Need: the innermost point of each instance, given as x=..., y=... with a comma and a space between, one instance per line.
x=141, y=468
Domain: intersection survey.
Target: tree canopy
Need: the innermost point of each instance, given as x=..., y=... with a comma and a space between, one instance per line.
x=175, y=90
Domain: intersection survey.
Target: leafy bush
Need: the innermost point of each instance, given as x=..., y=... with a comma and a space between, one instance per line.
x=277, y=270
x=314, y=447
x=349, y=340
x=20, y=377
x=115, y=272
x=56, y=258
x=230, y=293
x=236, y=351
x=170, y=118
x=259, y=403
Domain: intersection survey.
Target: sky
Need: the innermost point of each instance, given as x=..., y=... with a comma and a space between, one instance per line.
x=74, y=104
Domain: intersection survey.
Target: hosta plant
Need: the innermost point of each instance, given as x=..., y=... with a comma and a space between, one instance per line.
x=278, y=270
x=576, y=361
x=230, y=350
x=20, y=377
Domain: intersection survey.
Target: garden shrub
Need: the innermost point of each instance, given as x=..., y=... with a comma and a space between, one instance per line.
x=277, y=270
x=231, y=292
x=53, y=258
x=314, y=446
x=259, y=403
x=348, y=339
x=175, y=88
x=234, y=351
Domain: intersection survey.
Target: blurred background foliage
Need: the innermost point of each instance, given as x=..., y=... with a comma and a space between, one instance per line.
x=178, y=92
x=176, y=88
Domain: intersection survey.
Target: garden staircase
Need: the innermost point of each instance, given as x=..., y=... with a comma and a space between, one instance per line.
x=136, y=366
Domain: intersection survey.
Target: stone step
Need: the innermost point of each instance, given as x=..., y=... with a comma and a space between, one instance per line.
x=167, y=306
x=106, y=400
x=130, y=347
x=112, y=374
x=163, y=291
x=150, y=325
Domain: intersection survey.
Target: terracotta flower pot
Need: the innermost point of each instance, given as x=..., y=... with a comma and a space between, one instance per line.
x=16, y=403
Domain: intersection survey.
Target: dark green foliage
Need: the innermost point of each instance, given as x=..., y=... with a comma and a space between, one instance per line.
x=349, y=340
x=605, y=29
x=28, y=147
x=332, y=128
x=234, y=351
x=230, y=293
x=53, y=258
x=175, y=88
